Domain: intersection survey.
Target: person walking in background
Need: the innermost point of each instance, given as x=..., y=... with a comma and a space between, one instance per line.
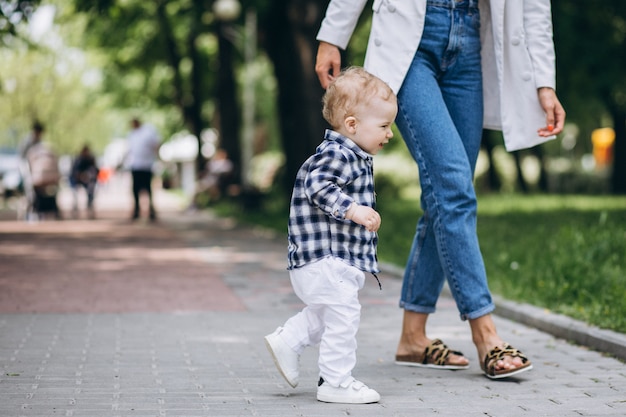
x=84, y=174
x=33, y=138
x=214, y=180
x=143, y=150
x=40, y=176
x=332, y=236
x=429, y=51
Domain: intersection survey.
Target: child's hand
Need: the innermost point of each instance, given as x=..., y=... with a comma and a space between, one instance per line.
x=365, y=216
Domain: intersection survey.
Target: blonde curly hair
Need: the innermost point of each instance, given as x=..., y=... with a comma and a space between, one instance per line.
x=353, y=87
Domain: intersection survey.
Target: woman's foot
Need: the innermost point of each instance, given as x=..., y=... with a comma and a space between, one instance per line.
x=435, y=355
x=505, y=361
x=415, y=348
x=498, y=359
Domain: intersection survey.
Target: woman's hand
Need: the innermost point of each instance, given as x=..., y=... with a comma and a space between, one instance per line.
x=555, y=114
x=327, y=63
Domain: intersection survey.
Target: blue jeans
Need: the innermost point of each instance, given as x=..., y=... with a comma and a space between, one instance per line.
x=440, y=117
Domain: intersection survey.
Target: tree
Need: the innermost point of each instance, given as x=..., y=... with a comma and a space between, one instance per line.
x=590, y=38
x=160, y=53
x=290, y=27
x=12, y=15
x=228, y=113
x=165, y=52
x=43, y=86
x=45, y=79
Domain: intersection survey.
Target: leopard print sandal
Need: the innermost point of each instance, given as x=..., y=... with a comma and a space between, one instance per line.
x=489, y=364
x=435, y=356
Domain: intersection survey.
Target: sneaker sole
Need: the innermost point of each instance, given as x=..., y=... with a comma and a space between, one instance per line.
x=338, y=400
x=509, y=374
x=431, y=366
x=280, y=369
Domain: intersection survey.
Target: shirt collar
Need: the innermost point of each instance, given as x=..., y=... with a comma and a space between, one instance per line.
x=332, y=135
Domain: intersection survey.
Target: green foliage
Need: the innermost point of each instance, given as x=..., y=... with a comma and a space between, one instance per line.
x=58, y=87
x=395, y=177
x=159, y=57
x=590, y=37
x=14, y=15
x=562, y=253
x=272, y=214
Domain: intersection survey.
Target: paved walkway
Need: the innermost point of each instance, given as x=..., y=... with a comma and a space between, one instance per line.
x=112, y=318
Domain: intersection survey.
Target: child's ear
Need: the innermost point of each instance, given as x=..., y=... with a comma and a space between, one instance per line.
x=350, y=124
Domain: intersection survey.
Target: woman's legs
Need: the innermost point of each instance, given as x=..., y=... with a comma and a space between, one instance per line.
x=440, y=118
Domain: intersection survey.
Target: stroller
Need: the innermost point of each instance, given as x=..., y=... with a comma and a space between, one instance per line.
x=41, y=182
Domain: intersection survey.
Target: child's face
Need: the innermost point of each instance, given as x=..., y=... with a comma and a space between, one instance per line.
x=371, y=127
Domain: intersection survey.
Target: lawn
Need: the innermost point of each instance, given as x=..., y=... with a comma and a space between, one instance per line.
x=563, y=253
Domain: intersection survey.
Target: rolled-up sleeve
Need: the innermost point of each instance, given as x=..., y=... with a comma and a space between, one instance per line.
x=324, y=185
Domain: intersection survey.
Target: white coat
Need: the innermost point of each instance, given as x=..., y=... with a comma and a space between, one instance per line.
x=517, y=55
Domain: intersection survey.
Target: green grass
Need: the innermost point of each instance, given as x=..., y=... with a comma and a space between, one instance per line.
x=563, y=253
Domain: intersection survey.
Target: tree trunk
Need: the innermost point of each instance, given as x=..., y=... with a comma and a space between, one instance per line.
x=188, y=100
x=228, y=110
x=291, y=27
x=197, y=94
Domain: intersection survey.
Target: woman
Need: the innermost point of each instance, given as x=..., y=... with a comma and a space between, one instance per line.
x=435, y=55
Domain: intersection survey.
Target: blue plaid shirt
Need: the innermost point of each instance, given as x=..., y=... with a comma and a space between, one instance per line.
x=338, y=174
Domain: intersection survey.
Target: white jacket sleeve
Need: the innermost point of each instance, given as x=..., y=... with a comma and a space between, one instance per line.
x=341, y=18
x=538, y=27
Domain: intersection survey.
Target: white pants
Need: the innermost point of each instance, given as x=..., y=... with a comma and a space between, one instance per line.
x=329, y=288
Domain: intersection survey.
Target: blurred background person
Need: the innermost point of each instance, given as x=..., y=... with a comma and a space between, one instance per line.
x=84, y=174
x=41, y=175
x=144, y=142
x=214, y=181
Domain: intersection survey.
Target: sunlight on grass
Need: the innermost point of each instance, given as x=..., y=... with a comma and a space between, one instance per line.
x=506, y=203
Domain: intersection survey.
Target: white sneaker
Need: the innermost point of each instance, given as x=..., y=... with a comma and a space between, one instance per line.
x=350, y=392
x=285, y=358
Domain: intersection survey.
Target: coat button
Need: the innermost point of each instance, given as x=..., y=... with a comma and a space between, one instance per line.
x=377, y=42
x=526, y=76
x=515, y=41
x=391, y=8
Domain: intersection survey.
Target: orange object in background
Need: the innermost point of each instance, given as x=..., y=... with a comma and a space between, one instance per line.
x=104, y=174
x=603, y=140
